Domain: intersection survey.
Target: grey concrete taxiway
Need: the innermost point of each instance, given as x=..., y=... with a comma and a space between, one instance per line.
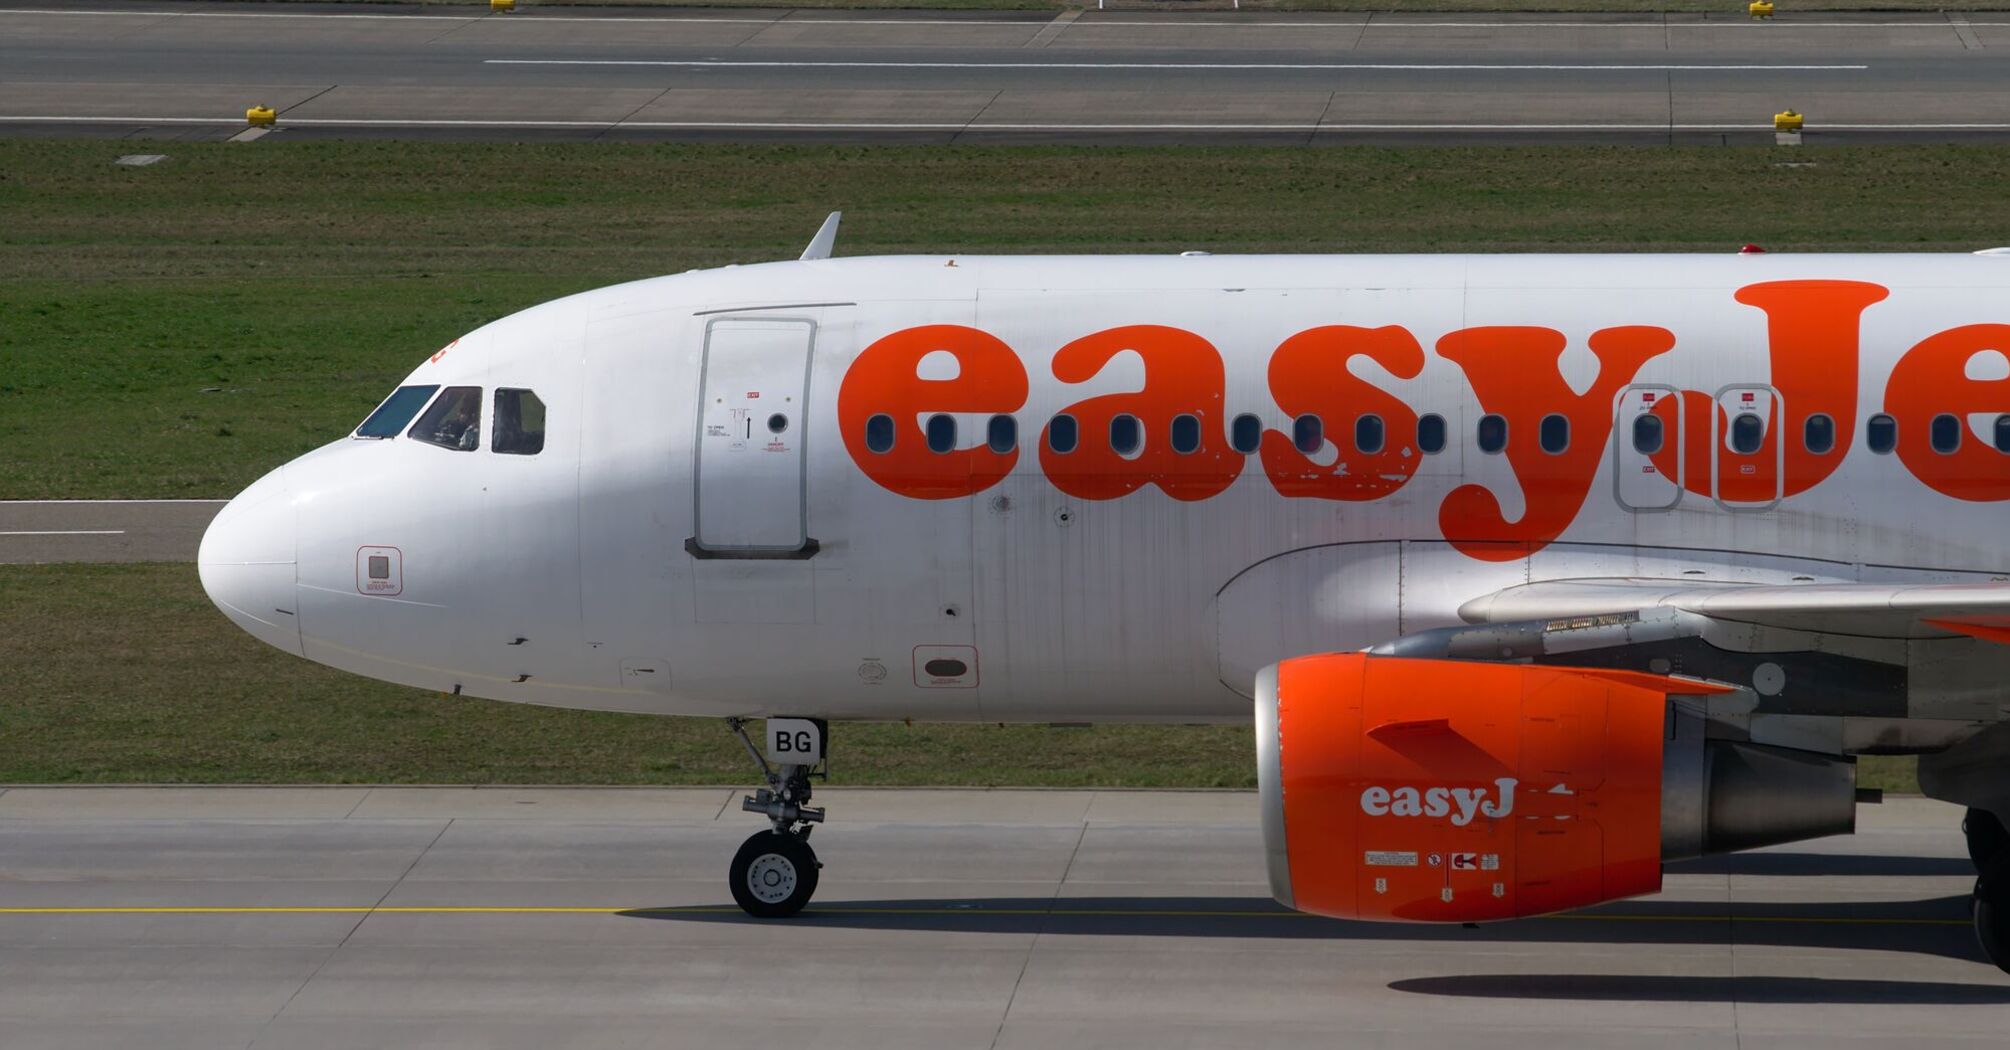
x=367, y=917
x=33, y=531
x=163, y=68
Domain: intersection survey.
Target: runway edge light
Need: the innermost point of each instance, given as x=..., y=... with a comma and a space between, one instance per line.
x=502, y=5
x=1760, y=8
x=261, y=116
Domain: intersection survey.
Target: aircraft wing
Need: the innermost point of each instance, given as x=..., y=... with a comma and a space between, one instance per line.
x=1875, y=610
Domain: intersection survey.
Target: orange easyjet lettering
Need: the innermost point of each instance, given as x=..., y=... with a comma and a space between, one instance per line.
x=1309, y=376
x=1932, y=380
x=1183, y=376
x=886, y=380
x=1172, y=433
x=1811, y=335
x=1516, y=375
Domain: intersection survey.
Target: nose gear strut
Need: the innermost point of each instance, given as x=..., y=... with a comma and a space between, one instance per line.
x=774, y=874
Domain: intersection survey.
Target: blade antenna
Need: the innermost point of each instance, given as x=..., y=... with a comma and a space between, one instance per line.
x=826, y=239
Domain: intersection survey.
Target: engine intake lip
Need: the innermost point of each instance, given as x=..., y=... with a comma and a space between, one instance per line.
x=1270, y=787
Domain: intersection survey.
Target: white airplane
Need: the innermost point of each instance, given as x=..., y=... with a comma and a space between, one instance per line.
x=1537, y=571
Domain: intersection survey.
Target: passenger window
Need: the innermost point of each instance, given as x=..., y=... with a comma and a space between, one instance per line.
x=1369, y=434
x=1945, y=433
x=1748, y=432
x=1063, y=434
x=1493, y=433
x=1002, y=434
x=519, y=423
x=941, y=432
x=454, y=421
x=1881, y=434
x=2003, y=433
x=1647, y=435
x=1308, y=434
x=396, y=411
x=879, y=434
x=1245, y=435
x=1431, y=434
x=1186, y=434
x=1818, y=434
x=1553, y=433
x=1126, y=434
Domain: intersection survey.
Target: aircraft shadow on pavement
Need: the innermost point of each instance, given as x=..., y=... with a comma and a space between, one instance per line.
x=1822, y=864
x=1937, y=926
x=1586, y=987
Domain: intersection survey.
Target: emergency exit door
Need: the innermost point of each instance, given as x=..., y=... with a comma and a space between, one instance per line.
x=1649, y=425
x=751, y=430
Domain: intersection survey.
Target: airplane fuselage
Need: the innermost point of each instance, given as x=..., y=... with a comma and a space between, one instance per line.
x=744, y=503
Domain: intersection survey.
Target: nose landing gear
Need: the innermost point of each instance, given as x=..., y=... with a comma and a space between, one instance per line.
x=774, y=874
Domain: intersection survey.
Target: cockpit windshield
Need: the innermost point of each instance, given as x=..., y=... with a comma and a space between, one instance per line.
x=454, y=421
x=396, y=411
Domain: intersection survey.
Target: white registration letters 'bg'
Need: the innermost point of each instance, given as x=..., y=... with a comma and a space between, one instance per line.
x=795, y=741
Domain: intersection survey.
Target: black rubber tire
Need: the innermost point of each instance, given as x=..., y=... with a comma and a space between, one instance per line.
x=1986, y=837
x=773, y=875
x=1992, y=911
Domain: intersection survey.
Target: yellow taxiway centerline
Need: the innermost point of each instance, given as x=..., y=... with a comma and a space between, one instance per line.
x=1100, y=913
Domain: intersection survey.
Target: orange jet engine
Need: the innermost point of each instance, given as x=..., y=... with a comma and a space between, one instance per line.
x=1423, y=790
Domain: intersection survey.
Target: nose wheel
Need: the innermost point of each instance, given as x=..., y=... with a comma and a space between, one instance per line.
x=774, y=874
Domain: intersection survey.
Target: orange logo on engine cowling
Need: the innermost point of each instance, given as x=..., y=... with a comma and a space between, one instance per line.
x=1460, y=804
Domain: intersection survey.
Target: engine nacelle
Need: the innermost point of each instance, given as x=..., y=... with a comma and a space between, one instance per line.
x=1455, y=791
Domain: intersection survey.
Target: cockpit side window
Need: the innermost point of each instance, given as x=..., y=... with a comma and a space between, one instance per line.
x=396, y=411
x=454, y=421
x=519, y=423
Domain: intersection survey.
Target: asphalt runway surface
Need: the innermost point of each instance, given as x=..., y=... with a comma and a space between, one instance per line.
x=361, y=917
x=191, y=70
x=36, y=531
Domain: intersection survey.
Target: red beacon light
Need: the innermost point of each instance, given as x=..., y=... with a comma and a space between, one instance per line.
x=1751, y=249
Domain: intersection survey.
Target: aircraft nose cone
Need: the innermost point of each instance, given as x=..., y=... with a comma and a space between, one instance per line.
x=246, y=562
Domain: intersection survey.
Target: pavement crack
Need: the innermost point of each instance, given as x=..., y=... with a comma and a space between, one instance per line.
x=1325, y=113
x=1055, y=28
x=346, y=935
x=451, y=30
x=630, y=115
x=310, y=98
x=1964, y=32
x=1039, y=931
x=971, y=124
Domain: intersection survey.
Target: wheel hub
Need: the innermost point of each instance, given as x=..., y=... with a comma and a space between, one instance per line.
x=771, y=878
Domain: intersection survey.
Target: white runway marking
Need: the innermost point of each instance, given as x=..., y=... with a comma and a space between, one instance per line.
x=1355, y=26
x=1315, y=66
x=69, y=532
x=741, y=125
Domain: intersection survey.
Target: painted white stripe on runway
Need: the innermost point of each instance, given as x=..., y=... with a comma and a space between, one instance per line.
x=523, y=18
x=69, y=532
x=741, y=125
x=1410, y=67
